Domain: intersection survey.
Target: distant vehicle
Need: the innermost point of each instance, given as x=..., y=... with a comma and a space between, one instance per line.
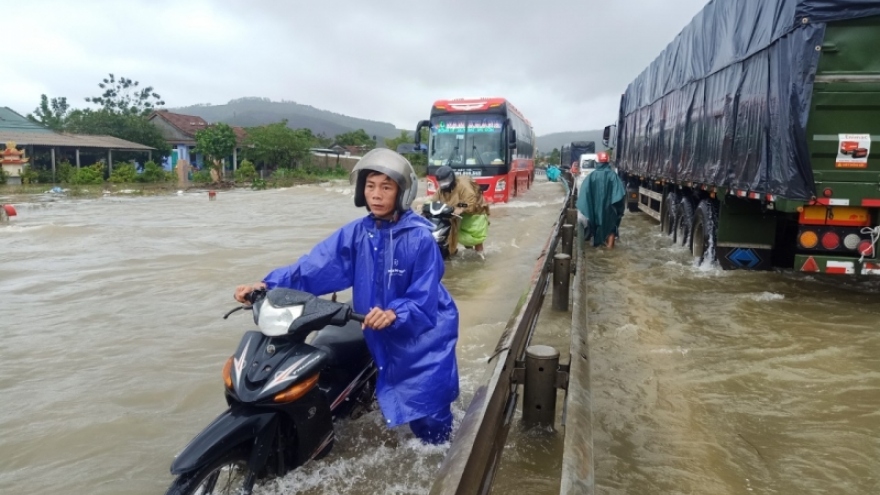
x=570, y=153
x=486, y=138
x=589, y=161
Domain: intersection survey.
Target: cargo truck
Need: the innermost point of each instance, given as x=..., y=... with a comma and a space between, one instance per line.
x=749, y=138
x=571, y=153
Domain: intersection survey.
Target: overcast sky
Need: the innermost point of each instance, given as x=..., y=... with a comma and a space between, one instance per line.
x=563, y=63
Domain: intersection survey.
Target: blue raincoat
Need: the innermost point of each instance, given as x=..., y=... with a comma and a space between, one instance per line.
x=397, y=266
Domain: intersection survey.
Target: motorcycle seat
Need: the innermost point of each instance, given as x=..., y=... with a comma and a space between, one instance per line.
x=344, y=345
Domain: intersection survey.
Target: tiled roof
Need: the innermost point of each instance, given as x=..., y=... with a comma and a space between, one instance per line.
x=190, y=124
x=187, y=124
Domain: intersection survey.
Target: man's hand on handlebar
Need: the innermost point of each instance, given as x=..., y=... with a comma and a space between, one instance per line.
x=242, y=291
x=378, y=319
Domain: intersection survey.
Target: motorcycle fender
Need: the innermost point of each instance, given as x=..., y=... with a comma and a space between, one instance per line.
x=235, y=426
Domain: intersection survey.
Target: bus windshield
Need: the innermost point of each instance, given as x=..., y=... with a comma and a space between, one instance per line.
x=466, y=140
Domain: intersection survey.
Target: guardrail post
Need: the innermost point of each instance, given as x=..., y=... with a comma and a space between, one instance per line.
x=566, y=176
x=561, y=281
x=571, y=216
x=567, y=234
x=539, y=391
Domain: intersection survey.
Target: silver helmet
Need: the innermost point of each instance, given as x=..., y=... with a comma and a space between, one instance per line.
x=392, y=164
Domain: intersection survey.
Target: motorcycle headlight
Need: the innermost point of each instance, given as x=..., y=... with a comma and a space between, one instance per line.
x=275, y=321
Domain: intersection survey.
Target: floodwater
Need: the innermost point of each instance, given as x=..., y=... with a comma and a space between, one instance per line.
x=113, y=343
x=703, y=381
x=714, y=382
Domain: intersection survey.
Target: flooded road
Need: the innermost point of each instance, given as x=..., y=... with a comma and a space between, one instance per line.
x=703, y=381
x=706, y=381
x=113, y=341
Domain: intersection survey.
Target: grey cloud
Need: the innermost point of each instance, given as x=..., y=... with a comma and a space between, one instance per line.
x=564, y=64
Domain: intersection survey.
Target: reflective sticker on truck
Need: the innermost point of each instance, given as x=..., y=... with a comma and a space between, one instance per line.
x=853, y=150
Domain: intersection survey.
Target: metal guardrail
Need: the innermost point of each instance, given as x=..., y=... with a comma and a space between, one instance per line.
x=472, y=460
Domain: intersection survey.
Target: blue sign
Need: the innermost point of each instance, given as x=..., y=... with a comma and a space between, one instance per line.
x=744, y=258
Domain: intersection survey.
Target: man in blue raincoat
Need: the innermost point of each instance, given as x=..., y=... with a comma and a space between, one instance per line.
x=601, y=202
x=393, y=265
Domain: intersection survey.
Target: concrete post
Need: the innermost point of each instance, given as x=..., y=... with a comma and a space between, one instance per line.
x=539, y=391
x=571, y=216
x=567, y=235
x=77, y=158
x=561, y=281
x=52, y=152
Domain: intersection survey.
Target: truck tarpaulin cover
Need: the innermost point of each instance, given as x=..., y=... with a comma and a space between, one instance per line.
x=727, y=102
x=572, y=153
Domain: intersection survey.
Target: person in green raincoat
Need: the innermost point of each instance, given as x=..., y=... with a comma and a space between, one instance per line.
x=601, y=203
x=463, y=194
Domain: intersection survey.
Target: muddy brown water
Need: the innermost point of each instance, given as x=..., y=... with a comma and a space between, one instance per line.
x=703, y=381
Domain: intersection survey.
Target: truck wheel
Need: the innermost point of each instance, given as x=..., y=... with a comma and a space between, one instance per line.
x=670, y=207
x=704, y=235
x=684, y=223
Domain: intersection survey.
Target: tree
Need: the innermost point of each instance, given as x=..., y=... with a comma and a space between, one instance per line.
x=276, y=144
x=555, y=157
x=130, y=127
x=322, y=141
x=51, y=113
x=355, y=138
x=216, y=142
x=319, y=141
x=123, y=96
x=417, y=159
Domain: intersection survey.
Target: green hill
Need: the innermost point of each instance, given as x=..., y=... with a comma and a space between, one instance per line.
x=253, y=111
x=547, y=142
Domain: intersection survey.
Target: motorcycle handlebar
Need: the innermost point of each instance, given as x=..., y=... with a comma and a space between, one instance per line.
x=357, y=317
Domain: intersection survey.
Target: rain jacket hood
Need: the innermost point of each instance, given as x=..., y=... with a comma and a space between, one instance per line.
x=397, y=266
x=600, y=200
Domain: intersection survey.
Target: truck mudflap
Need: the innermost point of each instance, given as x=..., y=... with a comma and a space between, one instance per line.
x=835, y=265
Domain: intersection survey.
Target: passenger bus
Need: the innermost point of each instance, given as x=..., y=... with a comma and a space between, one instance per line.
x=486, y=138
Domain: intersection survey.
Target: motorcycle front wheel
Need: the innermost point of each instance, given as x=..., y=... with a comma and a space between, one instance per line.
x=227, y=475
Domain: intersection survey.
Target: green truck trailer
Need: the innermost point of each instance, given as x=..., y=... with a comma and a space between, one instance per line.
x=750, y=137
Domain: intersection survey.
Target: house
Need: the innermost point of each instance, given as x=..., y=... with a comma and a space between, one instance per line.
x=16, y=130
x=352, y=151
x=180, y=132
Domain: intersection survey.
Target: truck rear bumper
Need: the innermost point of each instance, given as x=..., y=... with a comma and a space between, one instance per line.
x=835, y=265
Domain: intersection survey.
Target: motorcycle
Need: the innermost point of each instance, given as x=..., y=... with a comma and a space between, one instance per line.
x=284, y=394
x=440, y=214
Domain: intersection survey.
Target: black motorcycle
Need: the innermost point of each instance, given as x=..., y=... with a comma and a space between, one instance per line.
x=284, y=394
x=440, y=214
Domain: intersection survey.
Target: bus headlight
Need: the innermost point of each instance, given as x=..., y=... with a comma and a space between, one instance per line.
x=501, y=185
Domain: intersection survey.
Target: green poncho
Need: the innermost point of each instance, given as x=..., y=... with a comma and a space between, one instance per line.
x=601, y=201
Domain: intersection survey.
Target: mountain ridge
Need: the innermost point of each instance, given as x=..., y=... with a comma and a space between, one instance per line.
x=253, y=111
